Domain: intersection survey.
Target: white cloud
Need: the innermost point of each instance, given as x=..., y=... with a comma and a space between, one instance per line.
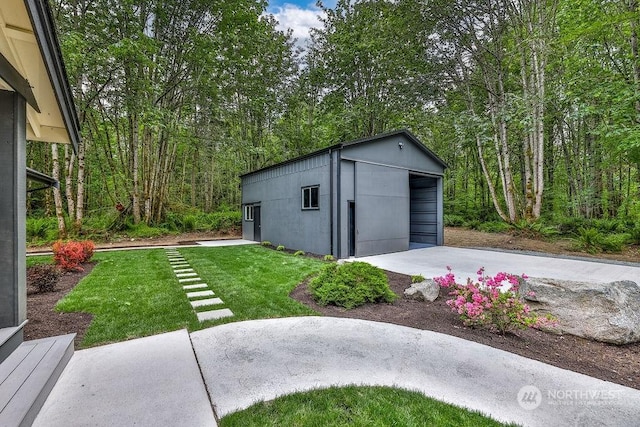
x=297, y=19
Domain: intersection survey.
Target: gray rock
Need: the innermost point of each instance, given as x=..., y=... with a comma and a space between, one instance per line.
x=427, y=290
x=606, y=312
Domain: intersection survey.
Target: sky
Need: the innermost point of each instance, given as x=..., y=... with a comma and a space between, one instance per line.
x=299, y=15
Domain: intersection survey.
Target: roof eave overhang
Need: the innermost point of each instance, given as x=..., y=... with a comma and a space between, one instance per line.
x=43, y=27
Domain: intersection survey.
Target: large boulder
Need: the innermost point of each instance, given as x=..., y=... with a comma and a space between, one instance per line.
x=427, y=290
x=606, y=312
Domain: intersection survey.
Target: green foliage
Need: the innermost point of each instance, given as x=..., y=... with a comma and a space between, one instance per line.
x=494, y=227
x=350, y=285
x=328, y=257
x=453, y=220
x=299, y=253
x=356, y=406
x=41, y=229
x=417, y=278
x=43, y=277
x=280, y=248
x=265, y=243
x=589, y=239
x=593, y=241
x=534, y=229
x=142, y=230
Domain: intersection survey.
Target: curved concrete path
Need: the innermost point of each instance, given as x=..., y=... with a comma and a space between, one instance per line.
x=246, y=362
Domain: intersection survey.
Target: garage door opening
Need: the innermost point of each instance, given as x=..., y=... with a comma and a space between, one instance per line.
x=423, y=230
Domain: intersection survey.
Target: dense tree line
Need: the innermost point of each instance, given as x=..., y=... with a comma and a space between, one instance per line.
x=534, y=104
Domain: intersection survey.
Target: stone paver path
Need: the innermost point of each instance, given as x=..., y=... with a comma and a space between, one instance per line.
x=196, y=290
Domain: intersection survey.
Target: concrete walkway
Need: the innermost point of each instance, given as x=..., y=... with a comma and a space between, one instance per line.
x=433, y=261
x=157, y=381
x=153, y=381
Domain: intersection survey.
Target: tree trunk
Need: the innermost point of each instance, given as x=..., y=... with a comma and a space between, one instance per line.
x=69, y=160
x=57, y=197
x=80, y=187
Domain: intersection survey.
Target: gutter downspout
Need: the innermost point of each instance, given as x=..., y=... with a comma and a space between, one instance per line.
x=331, y=201
x=339, y=203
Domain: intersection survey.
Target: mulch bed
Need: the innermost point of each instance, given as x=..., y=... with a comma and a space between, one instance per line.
x=618, y=364
x=44, y=320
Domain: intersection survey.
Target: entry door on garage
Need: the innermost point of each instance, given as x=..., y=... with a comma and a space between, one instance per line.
x=424, y=210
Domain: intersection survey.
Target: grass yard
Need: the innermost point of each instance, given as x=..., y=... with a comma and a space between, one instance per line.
x=253, y=281
x=356, y=406
x=135, y=293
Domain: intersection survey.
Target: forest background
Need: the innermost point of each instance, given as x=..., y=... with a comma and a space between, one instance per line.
x=533, y=104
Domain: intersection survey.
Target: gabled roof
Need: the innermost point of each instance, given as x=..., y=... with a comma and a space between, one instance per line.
x=31, y=64
x=404, y=132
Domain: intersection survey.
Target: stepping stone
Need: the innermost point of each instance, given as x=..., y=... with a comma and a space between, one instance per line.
x=214, y=314
x=189, y=279
x=204, y=302
x=180, y=264
x=199, y=294
x=198, y=286
x=176, y=259
x=186, y=274
x=185, y=270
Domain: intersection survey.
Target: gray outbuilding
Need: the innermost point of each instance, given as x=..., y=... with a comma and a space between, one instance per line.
x=370, y=196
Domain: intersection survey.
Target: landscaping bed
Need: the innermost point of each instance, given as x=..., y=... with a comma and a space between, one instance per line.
x=619, y=364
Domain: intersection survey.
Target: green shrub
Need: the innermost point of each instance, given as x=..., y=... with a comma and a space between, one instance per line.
x=494, y=227
x=329, y=257
x=44, y=277
x=350, y=285
x=634, y=236
x=453, y=220
x=280, y=248
x=589, y=239
x=266, y=243
x=142, y=230
x=299, y=253
x=189, y=222
x=417, y=278
x=613, y=242
x=41, y=228
x=472, y=224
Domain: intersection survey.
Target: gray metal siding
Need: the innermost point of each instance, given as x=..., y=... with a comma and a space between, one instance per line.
x=424, y=210
x=387, y=151
x=382, y=209
x=279, y=191
x=347, y=193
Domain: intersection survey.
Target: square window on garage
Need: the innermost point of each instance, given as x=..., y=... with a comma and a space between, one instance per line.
x=248, y=213
x=311, y=197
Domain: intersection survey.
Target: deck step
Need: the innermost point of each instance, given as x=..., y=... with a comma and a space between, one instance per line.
x=10, y=339
x=28, y=375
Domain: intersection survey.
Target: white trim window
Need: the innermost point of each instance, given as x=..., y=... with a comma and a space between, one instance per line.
x=248, y=212
x=311, y=197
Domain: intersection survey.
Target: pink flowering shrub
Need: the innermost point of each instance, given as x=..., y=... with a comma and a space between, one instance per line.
x=485, y=303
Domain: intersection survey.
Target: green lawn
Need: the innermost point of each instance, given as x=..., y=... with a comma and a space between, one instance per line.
x=253, y=281
x=356, y=406
x=135, y=293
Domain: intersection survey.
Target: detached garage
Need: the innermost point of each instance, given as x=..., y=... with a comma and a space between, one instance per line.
x=365, y=197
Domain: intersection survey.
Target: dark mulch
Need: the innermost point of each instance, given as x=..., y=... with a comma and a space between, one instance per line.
x=618, y=364
x=44, y=320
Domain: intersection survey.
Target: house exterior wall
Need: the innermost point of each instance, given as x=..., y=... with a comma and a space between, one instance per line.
x=347, y=194
x=278, y=192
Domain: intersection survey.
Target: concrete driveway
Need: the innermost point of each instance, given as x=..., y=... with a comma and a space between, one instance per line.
x=433, y=261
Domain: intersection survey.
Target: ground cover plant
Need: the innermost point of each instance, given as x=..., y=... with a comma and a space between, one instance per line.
x=356, y=406
x=350, y=285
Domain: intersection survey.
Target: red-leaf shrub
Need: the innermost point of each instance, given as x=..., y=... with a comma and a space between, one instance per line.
x=70, y=255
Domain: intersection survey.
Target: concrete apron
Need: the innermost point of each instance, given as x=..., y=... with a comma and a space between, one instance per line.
x=246, y=362
x=433, y=261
